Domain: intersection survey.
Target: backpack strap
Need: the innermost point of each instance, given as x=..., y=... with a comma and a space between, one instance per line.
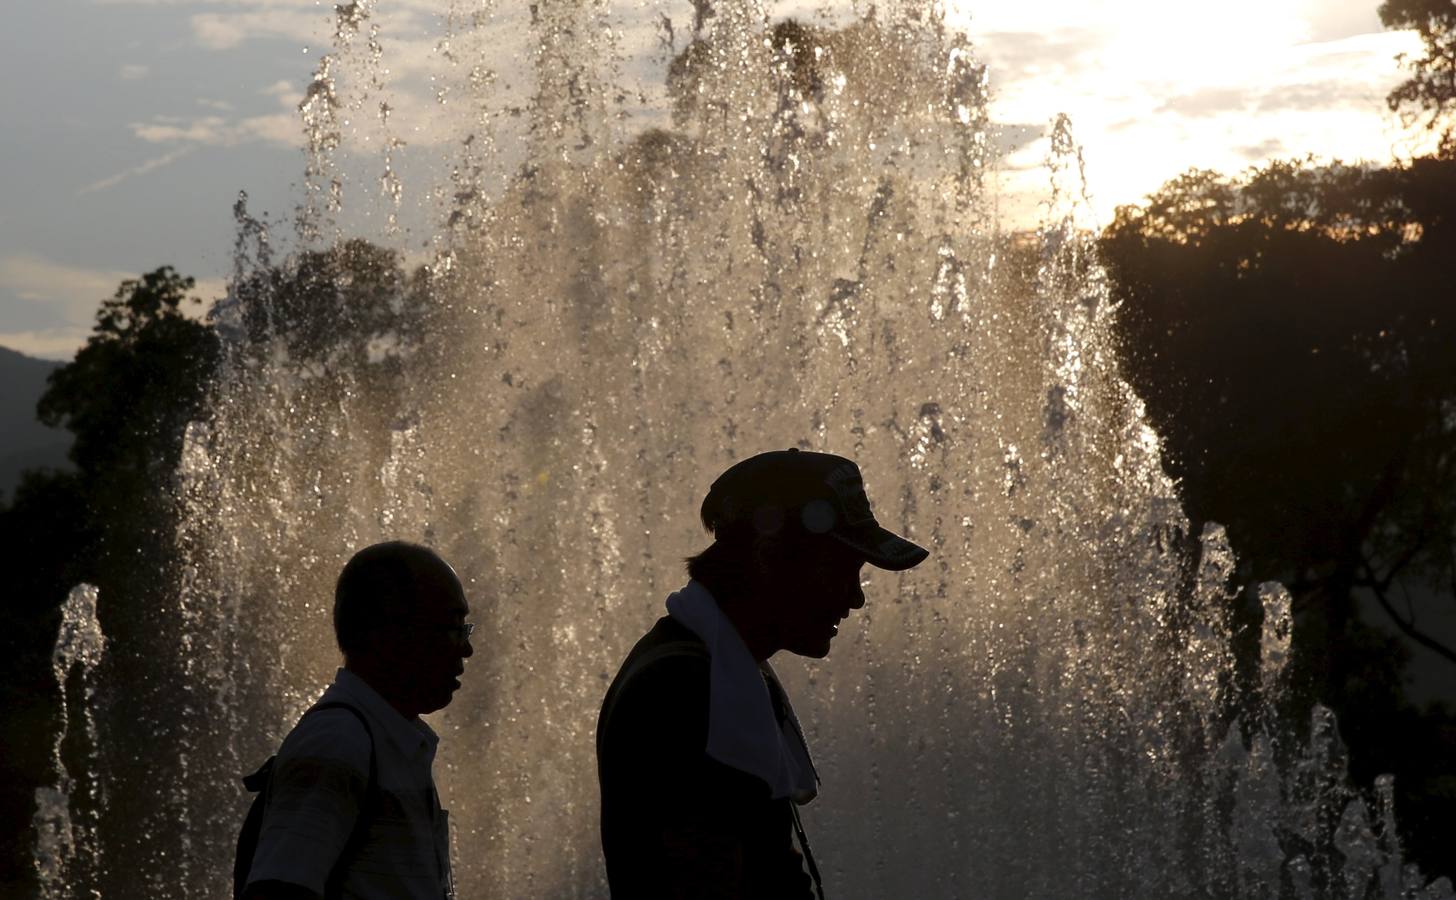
x=259, y=783
x=333, y=886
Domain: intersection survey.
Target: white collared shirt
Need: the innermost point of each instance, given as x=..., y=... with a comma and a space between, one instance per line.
x=743, y=731
x=319, y=783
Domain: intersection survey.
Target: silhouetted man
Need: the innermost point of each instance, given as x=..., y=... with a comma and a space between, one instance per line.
x=351, y=808
x=700, y=758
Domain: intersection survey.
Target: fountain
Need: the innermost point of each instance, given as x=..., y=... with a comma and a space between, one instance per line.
x=66, y=848
x=794, y=245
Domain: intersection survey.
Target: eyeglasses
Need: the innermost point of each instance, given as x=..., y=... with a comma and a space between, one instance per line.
x=457, y=633
x=460, y=632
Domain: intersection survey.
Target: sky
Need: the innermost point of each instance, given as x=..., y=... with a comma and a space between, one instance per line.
x=128, y=127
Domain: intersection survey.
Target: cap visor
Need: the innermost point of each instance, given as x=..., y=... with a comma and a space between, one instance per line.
x=883, y=548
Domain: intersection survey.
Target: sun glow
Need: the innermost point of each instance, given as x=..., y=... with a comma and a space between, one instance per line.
x=1155, y=88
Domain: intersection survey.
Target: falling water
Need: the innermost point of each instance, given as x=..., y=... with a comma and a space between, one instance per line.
x=790, y=241
x=66, y=848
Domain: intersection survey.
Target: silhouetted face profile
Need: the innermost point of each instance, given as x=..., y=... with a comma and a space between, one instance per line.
x=812, y=595
x=428, y=649
x=793, y=531
x=400, y=615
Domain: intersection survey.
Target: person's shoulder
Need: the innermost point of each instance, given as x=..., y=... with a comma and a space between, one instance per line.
x=332, y=735
x=670, y=638
x=666, y=670
x=674, y=673
x=668, y=653
x=655, y=714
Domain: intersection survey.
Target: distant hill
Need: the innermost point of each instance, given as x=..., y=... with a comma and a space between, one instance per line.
x=24, y=442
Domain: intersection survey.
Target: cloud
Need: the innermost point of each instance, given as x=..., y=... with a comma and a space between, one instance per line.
x=1012, y=137
x=46, y=343
x=1023, y=54
x=1148, y=103
x=1207, y=101
x=1334, y=19
x=305, y=22
x=67, y=297
x=133, y=72
x=63, y=297
x=205, y=130
x=216, y=131
x=1317, y=95
x=1264, y=150
x=150, y=165
x=224, y=31
x=78, y=290
x=277, y=128
x=209, y=289
x=212, y=130
x=35, y=279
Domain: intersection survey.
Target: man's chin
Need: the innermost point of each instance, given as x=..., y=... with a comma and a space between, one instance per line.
x=439, y=701
x=812, y=650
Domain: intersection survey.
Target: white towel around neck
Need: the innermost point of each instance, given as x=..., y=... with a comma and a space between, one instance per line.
x=743, y=731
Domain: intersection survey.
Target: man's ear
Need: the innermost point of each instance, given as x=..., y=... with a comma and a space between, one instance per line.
x=376, y=643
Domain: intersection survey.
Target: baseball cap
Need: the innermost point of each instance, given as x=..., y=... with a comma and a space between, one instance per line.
x=824, y=492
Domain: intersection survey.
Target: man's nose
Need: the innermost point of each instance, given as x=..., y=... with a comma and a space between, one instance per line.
x=856, y=596
x=467, y=649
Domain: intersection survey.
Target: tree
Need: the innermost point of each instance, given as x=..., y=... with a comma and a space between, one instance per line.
x=143, y=374
x=1290, y=331
x=1430, y=92
x=44, y=533
x=140, y=378
x=346, y=308
x=341, y=324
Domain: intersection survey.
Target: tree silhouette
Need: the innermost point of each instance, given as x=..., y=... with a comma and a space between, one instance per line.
x=136, y=383
x=350, y=307
x=127, y=397
x=1291, y=332
x=1430, y=92
x=342, y=322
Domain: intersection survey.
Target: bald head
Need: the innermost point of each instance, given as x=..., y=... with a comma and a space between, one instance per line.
x=384, y=583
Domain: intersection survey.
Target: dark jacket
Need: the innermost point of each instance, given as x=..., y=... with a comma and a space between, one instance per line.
x=675, y=822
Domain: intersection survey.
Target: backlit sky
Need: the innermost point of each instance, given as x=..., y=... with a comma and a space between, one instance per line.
x=127, y=127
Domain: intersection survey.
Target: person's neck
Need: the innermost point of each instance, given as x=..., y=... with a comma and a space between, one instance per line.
x=374, y=676
x=757, y=634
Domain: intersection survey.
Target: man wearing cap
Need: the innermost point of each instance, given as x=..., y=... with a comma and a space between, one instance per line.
x=700, y=758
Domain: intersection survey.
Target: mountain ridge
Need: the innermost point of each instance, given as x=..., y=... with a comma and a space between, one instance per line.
x=24, y=442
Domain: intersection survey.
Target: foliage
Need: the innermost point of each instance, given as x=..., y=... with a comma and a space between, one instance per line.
x=340, y=320
x=46, y=539
x=1290, y=331
x=126, y=397
x=340, y=309
x=137, y=382
x=1430, y=92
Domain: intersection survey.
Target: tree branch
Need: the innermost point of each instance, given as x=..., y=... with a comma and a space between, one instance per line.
x=1407, y=627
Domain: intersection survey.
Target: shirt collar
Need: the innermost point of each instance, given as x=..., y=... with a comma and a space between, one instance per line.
x=743, y=731
x=411, y=736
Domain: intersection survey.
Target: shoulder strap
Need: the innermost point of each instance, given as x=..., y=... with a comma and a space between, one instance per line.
x=332, y=886
x=259, y=782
